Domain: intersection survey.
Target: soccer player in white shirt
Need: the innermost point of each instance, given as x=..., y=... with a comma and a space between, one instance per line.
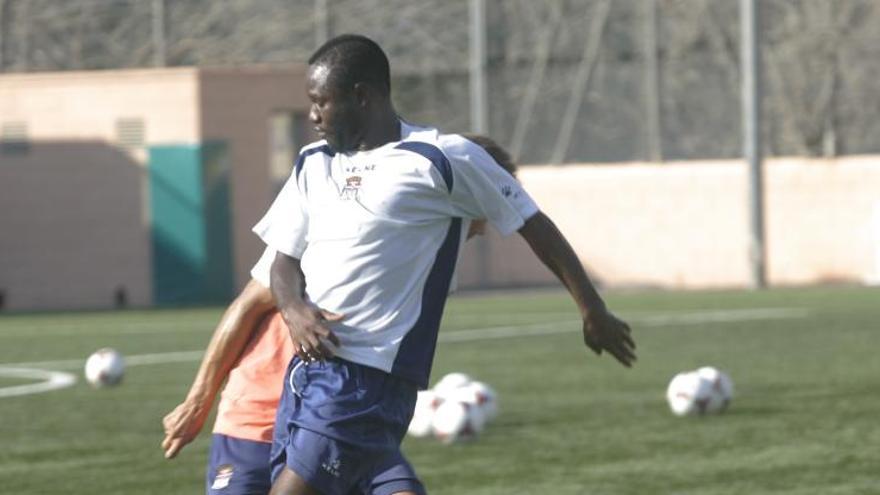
x=249, y=351
x=367, y=231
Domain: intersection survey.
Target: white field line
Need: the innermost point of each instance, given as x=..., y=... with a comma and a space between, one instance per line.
x=50, y=380
x=649, y=319
x=720, y=316
x=656, y=320
x=123, y=329
x=133, y=360
x=53, y=380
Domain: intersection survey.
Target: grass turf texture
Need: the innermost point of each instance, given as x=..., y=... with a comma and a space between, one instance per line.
x=803, y=420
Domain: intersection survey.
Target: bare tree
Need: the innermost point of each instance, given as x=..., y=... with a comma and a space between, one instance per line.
x=822, y=63
x=4, y=21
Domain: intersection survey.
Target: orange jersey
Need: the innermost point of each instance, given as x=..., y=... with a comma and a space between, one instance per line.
x=250, y=397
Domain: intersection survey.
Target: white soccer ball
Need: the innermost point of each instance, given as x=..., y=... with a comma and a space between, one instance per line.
x=449, y=383
x=721, y=388
x=688, y=394
x=479, y=395
x=455, y=421
x=421, y=424
x=105, y=368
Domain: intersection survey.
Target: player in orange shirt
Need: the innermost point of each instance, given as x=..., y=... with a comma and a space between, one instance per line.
x=250, y=350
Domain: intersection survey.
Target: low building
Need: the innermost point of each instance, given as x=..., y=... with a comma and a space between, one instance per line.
x=139, y=187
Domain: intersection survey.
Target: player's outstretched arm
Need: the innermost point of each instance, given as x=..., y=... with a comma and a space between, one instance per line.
x=230, y=338
x=308, y=324
x=602, y=330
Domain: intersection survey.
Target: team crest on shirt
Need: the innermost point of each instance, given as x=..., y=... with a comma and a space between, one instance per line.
x=351, y=189
x=224, y=475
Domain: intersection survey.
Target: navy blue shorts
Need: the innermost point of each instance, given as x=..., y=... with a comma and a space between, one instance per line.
x=339, y=426
x=238, y=467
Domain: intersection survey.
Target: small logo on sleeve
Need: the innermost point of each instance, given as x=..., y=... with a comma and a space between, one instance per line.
x=510, y=190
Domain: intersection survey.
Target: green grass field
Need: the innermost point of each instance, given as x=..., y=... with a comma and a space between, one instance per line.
x=804, y=420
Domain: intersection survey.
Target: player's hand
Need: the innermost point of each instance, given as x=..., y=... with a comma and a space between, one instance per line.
x=309, y=326
x=181, y=425
x=605, y=332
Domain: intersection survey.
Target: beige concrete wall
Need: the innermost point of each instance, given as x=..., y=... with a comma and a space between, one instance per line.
x=685, y=225
x=86, y=105
x=68, y=240
x=236, y=105
x=822, y=220
x=74, y=208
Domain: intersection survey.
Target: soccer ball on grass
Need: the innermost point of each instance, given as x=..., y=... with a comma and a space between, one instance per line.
x=721, y=388
x=703, y=391
x=456, y=420
x=105, y=368
x=421, y=424
x=456, y=409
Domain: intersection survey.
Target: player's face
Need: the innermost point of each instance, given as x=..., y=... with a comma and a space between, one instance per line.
x=335, y=113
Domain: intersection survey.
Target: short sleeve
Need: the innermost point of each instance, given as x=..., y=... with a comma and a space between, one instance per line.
x=260, y=271
x=483, y=189
x=285, y=225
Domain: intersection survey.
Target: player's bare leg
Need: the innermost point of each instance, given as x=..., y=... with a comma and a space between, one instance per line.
x=290, y=483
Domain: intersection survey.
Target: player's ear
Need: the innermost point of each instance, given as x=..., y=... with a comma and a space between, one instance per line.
x=361, y=94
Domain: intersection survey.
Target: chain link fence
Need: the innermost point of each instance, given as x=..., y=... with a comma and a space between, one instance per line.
x=569, y=80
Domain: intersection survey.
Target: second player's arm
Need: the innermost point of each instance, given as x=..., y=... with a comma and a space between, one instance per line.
x=601, y=329
x=233, y=332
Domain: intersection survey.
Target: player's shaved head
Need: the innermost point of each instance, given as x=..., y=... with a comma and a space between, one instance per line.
x=352, y=59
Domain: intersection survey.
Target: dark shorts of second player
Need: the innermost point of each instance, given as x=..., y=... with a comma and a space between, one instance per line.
x=339, y=427
x=238, y=467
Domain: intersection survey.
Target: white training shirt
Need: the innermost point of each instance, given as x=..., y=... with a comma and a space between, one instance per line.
x=263, y=267
x=378, y=234
x=260, y=271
